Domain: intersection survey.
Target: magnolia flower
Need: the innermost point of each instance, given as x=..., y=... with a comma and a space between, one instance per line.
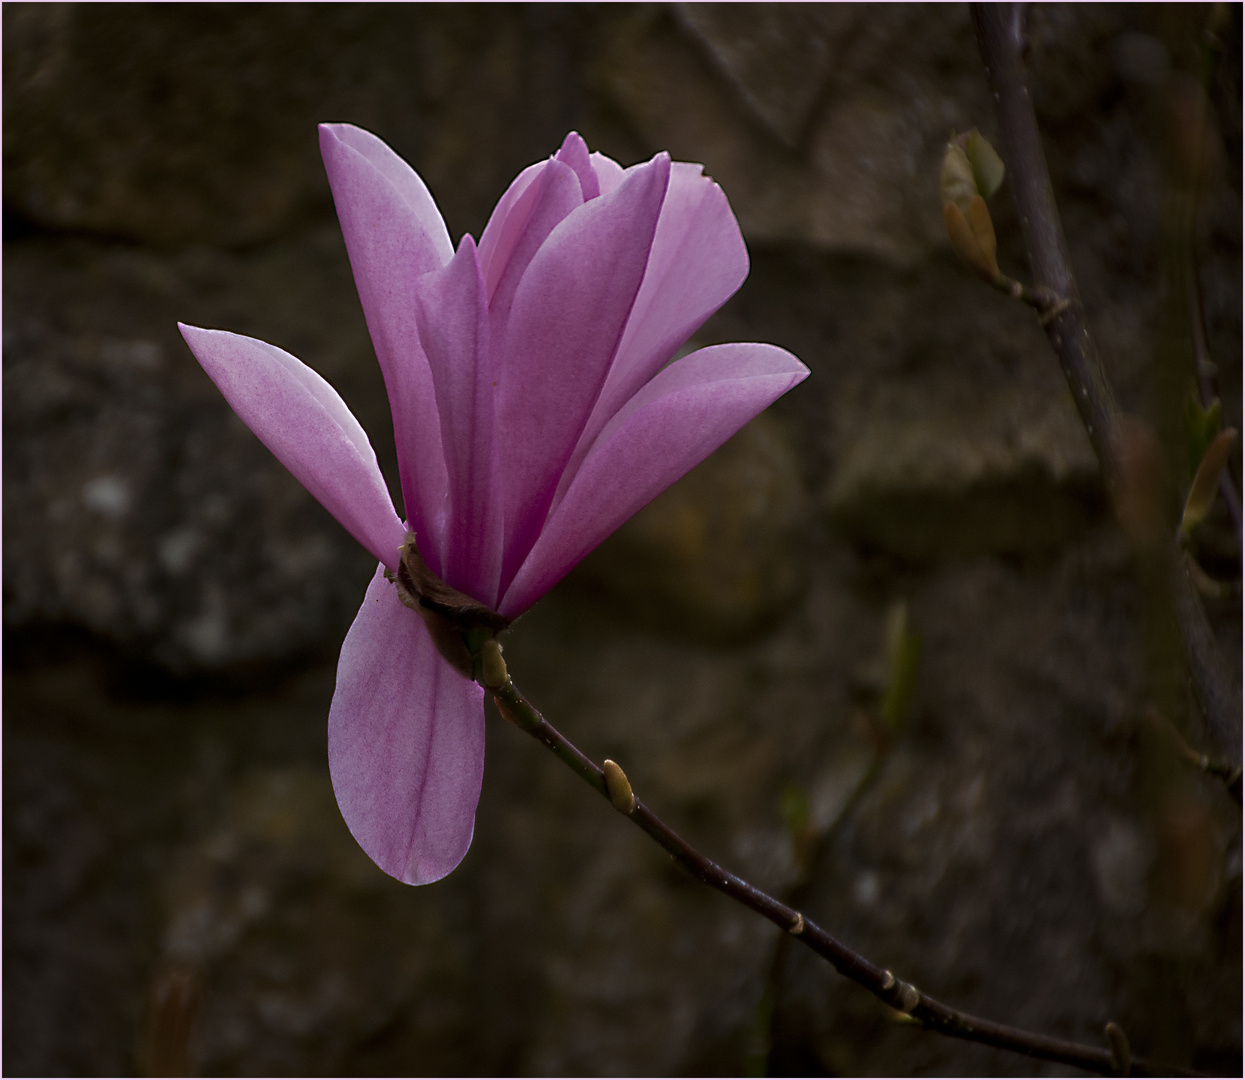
x=535, y=409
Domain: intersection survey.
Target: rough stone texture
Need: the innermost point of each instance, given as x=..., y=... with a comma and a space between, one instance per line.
x=150, y=514
x=109, y=129
x=184, y=124
x=992, y=458
x=1042, y=729
x=180, y=892
x=858, y=180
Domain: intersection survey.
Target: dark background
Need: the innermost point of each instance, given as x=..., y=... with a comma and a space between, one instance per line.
x=179, y=890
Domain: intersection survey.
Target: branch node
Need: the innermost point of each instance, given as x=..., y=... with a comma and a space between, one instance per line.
x=889, y=983
x=619, y=787
x=797, y=926
x=515, y=709
x=1052, y=308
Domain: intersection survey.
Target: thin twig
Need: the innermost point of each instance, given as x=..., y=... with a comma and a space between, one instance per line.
x=1068, y=332
x=1228, y=773
x=799, y=893
x=1210, y=587
x=1207, y=370
x=1046, y=303
x=894, y=992
x=1212, y=678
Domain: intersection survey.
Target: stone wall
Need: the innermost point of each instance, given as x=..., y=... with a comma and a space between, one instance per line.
x=180, y=892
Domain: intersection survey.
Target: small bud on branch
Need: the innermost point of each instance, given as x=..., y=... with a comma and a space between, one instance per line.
x=971, y=173
x=619, y=787
x=493, y=665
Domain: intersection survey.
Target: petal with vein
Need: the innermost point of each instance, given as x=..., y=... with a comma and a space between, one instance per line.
x=454, y=328
x=568, y=317
x=697, y=263
x=553, y=195
x=406, y=742
x=498, y=238
x=303, y=421
x=394, y=235
x=675, y=422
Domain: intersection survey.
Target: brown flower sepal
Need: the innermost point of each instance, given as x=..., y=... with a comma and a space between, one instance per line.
x=458, y=624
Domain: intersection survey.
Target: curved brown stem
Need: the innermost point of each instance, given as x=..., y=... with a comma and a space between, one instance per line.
x=877, y=980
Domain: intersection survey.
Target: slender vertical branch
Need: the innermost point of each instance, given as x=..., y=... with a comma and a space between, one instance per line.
x=1042, y=227
x=1205, y=368
x=1207, y=371
x=1068, y=331
x=880, y=982
x=1212, y=677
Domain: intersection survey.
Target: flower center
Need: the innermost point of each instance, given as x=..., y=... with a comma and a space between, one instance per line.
x=459, y=625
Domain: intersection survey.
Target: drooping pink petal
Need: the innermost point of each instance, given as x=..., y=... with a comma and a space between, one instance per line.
x=683, y=415
x=574, y=152
x=304, y=422
x=454, y=328
x=406, y=742
x=394, y=235
x=567, y=320
x=698, y=262
x=550, y=197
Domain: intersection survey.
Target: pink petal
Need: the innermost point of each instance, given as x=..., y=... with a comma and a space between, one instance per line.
x=454, y=328
x=568, y=317
x=394, y=235
x=686, y=412
x=535, y=214
x=406, y=742
x=499, y=236
x=697, y=263
x=304, y=422
x=609, y=173
x=574, y=153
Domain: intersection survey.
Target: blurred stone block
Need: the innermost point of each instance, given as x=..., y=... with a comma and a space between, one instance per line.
x=718, y=555
x=136, y=504
x=188, y=123
x=109, y=129
x=817, y=142
x=777, y=56
x=1011, y=472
